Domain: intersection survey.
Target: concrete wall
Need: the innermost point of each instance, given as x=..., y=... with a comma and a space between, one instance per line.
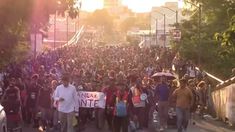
x=224, y=102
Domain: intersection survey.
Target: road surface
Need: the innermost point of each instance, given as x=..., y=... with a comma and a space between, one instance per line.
x=200, y=126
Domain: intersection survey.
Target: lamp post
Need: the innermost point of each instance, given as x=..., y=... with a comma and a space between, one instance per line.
x=35, y=28
x=199, y=27
x=54, y=30
x=77, y=17
x=55, y=20
x=150, y=26
x=175, y=11
x=164, y=15
x=156, y=31
x=80, y=8
x=164, y=29
x=67, y=28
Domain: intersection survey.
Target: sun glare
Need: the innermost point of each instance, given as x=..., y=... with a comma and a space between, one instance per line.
x=92, y=5
x=134, y=5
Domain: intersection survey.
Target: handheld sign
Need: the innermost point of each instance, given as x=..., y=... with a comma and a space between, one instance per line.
x=91, y=99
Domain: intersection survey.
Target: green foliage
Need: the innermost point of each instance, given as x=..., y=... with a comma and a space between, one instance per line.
x=13, y=33
x=227, y=38
x=127, y=24
x=132, y=40
x=17, y=19
x=135, y=22
x=216, y=50
x=102, y=19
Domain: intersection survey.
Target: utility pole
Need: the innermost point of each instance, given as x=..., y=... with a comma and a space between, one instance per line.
x=164, y=15
x=164, y=30
x=35, y=41
x=150, y=26
x=54, y=30
x=176, y=17
x=175, y=11
x=75, y=25
x=67, y=29
x=156, y=32
x=199, y=29
x=199, y=34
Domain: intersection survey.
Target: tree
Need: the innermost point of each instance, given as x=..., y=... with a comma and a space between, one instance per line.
x=227, y=38
x=127, y=24
x=13, y=33
x=102, y=19
x=215, y=19
x=141, y=22
x=17, y=19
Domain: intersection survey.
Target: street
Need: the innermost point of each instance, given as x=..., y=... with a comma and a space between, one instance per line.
x=115, y=64
x=200, y=126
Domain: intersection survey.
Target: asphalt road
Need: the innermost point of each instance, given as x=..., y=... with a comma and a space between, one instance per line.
x=200, y=126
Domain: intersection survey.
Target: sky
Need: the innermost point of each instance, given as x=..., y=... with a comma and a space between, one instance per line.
x=134, y=5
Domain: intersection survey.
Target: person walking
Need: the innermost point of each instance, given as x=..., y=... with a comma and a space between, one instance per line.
x=12, y=105
x=162, y=93
x=184, y=101
x=120, y=121
x=68, y=105
x=31, y=100
x=45, y=105
x=193, y=109
x=110, y=102
x=203, y=97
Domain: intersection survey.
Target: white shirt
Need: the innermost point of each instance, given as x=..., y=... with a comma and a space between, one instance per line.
x=69, y=94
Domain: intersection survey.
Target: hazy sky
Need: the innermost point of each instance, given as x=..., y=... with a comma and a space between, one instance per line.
x=135, y=5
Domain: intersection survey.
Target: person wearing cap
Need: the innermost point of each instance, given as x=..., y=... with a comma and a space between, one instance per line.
x=68, y=105
x=184, y=101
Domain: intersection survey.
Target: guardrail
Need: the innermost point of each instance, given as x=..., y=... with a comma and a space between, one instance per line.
x=75, y=38
x=210, y=75
x=223, y=98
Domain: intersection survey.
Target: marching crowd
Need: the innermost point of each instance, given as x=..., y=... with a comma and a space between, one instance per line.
x=48, y=85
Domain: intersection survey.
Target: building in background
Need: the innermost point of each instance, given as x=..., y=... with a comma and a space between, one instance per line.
x=157, y=22
x=111, y=3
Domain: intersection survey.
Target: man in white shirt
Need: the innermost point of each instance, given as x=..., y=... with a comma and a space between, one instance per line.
x=66, y=95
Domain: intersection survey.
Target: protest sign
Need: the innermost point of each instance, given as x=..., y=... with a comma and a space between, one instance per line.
x=91, y=99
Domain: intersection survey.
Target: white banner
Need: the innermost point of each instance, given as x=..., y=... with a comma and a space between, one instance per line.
x=91, y=99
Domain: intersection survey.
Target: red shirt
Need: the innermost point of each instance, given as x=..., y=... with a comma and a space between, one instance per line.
x=125, y=97
x=110, y=96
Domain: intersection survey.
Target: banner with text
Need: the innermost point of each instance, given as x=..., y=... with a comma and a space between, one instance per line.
x=91, y=99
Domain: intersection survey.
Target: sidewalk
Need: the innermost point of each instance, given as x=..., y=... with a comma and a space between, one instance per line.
x=212, y=125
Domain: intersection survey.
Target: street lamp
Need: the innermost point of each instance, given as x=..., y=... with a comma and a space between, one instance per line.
x=199, y=26
x=67, y=28
x=77, y=16
x=156, y=31
x=164, y=30
x=175, y=11
x=54, y=29
x=55, y=19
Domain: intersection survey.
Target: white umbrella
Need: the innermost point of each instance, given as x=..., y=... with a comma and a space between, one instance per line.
x=168, y=75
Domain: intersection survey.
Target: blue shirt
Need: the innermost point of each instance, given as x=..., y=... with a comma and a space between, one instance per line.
x=163, y=92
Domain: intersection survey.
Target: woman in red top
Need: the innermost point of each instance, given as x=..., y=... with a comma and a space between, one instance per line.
x=120, y=121
x=110, y=102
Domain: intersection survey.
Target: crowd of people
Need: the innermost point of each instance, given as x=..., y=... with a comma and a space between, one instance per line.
x=48, y=85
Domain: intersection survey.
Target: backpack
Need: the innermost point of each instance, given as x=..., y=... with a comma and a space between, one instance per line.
x=121, y=109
